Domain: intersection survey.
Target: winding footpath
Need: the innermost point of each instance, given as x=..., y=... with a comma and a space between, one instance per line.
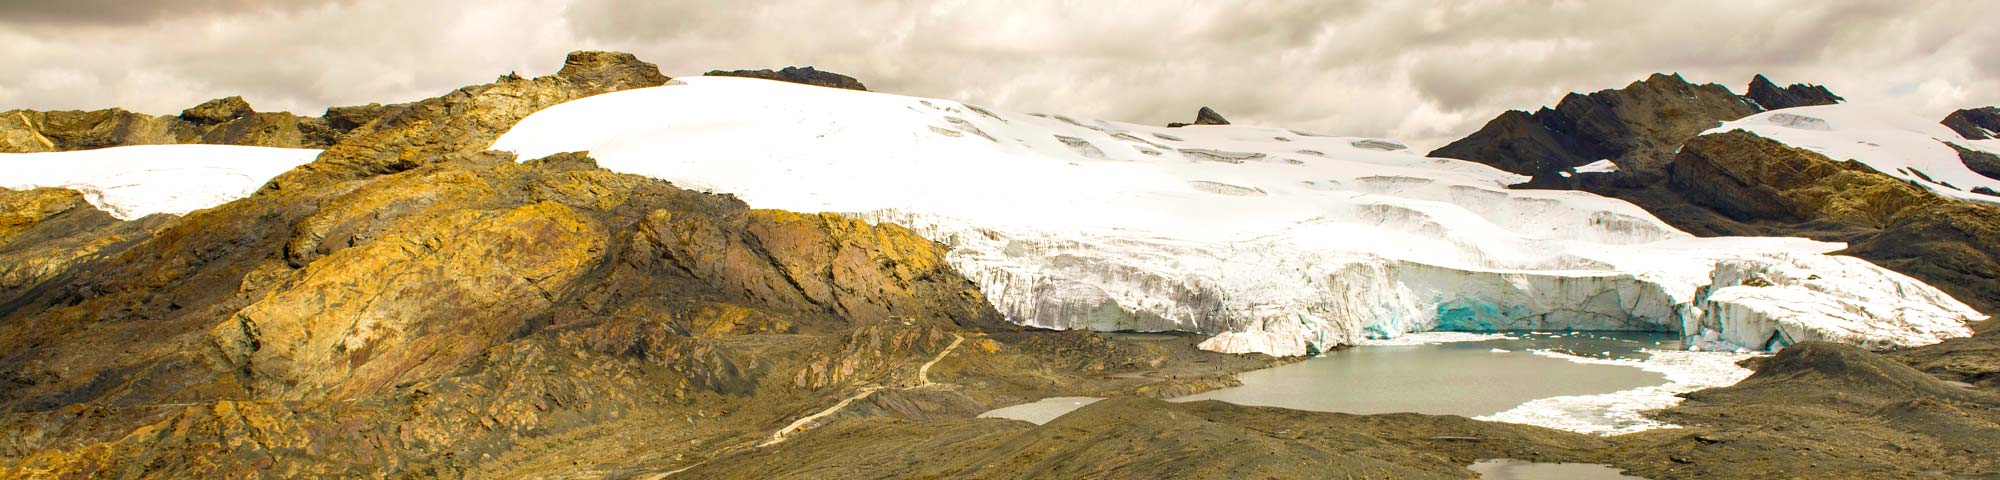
x=923, y=380
x=800, y=425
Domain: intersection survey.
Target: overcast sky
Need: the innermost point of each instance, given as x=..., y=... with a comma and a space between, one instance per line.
x=1424, y=72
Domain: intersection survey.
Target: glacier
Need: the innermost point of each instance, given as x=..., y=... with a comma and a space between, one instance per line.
x=1271, y=240
x=135, y=181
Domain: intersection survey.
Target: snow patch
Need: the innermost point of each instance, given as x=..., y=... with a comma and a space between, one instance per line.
x=136, y=181
x=1600, y=166
x=1624, y=411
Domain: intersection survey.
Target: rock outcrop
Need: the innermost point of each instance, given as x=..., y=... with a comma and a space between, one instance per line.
x=1975, y=123
x=1205, y=116
x=1980, y=162
x=803, y=75
x=1769, y=96
x=1637, y=127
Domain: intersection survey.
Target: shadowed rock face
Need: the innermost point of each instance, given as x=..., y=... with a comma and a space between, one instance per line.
x=802, y=75
x=1975, y=123
x=1637, y=127
x=1770, y=97
x=1205, y=116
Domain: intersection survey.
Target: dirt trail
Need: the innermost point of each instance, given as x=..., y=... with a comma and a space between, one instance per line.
x=923, y=379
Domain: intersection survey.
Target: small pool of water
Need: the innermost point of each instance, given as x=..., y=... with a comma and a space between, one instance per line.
x=1458, y=378
x=1041, y=411
x=1510, y=469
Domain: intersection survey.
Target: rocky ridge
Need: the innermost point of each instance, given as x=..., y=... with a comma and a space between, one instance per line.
x=223, y=121
x=1638, y=127
x=802, y=75
x=1770, y=97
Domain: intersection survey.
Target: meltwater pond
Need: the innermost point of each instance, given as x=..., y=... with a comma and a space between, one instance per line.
x=1470, y=378
x=1598, y=383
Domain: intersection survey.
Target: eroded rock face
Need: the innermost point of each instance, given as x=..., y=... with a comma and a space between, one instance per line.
x=1975, y=123
x=1770, y=97
x=803, y=75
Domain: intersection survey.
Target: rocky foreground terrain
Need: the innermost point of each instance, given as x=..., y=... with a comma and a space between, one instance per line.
x=411, y=305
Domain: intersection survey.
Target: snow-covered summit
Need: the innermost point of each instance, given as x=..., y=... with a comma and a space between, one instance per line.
x=136, y=181
x=1891, y=141
x=1278, y=241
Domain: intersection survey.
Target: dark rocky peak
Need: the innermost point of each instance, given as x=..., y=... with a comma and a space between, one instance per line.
x=595, y=70
x=1975, y=123
x=1638, y=127
x=218, y=111
x=1205, y=116
x=801, y=75
x=1770, y=97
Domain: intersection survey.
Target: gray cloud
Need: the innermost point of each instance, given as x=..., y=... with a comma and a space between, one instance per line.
x=1425, y=72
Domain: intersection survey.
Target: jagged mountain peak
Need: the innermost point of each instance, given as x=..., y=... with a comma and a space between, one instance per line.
x=1771, y=97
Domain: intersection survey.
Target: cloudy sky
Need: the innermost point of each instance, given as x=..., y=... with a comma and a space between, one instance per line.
x=1421, y=71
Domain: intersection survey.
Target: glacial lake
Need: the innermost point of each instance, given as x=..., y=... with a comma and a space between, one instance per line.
x=1457, y=378
x=1469, y=378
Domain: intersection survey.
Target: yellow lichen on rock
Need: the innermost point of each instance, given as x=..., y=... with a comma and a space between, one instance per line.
x=436, y=290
